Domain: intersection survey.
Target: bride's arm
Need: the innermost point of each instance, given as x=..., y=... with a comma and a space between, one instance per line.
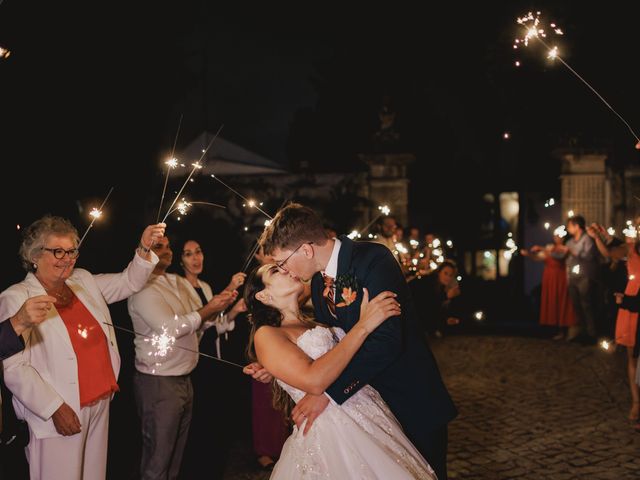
x=287, y=362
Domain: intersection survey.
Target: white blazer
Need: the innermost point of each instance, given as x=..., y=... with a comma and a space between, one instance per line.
x=45, y=374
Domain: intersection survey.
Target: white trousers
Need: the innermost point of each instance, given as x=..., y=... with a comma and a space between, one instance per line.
x=82, y=456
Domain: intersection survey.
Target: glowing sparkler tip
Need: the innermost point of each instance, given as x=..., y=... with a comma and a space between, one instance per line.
x=479, y=315
x=172, y=163
x=196, y=165
x=183, y=207
x=95, y=213
x=546, y=225
x=605, y=345
x=506, y=135
x=4, y=53
x=553, y=53
x=384, y=209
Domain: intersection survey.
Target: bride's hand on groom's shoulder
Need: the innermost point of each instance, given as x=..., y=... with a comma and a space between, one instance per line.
x=257, y=372
x=376, y=311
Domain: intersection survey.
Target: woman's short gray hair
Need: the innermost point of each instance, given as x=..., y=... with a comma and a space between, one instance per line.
x=36, y=234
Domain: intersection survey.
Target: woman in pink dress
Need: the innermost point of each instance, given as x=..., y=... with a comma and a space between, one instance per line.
x=556, y=308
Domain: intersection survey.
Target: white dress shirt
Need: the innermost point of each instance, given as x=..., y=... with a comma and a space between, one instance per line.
x=222, y=322
x=165, y=306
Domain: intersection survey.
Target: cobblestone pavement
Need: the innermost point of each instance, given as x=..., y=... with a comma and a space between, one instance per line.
x=529, y=409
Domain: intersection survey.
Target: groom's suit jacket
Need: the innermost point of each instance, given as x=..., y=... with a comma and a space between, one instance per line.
x=395, y=358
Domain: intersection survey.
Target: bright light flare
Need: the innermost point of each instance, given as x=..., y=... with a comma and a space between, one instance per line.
x=384, y=209
x=162, y=343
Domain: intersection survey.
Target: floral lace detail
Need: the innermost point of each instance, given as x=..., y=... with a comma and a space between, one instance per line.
x=366, y=408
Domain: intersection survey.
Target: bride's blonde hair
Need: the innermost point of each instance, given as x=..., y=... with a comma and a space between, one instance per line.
x=260, y=315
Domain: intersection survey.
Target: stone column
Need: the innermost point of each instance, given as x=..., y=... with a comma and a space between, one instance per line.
x=388, y=183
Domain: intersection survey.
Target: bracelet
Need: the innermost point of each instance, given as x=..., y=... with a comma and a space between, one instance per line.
x=143, y=248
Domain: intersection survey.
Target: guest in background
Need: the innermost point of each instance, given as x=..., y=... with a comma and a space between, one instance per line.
x=63, y=381
x=162, y=381
x=581, y=258
x=208, y=443
x=433, y=294
x=627, y=319
x=556, y=309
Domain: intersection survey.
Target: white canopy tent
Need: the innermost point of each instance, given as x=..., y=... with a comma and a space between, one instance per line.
x=225, y=158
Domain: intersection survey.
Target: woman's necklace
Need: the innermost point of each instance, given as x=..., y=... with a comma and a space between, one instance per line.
x=62, y=294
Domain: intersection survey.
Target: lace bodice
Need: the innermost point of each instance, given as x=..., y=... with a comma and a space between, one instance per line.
x=358, y=439
x=315, y=342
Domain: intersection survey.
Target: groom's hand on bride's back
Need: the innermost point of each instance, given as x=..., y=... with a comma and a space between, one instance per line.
x=257, y=372
x=309, y=408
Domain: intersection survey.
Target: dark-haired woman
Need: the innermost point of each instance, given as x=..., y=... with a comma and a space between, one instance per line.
x=358, y=439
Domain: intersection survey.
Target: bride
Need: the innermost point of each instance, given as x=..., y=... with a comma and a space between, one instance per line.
x=358, y=439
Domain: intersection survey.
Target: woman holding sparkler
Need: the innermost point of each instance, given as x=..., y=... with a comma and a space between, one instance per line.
x=556, y=309
x=627, y=319
x=208, y=441
x=64, y=379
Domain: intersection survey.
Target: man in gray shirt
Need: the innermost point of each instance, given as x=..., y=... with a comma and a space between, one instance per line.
x=582, y=267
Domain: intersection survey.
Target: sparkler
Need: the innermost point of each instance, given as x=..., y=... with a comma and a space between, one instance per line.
x=95, y=213
x=535, y=30
x=184, y=206
x=165, y=343
x=171, y=164
x=384, y=210
x=248, y=202
x=196, y=166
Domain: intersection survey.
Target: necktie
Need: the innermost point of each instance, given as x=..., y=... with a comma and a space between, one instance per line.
x=328, y=293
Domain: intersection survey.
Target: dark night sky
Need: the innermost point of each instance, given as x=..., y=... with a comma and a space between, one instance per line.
x=99, y=90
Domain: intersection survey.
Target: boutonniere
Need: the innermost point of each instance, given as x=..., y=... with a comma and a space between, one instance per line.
x=347, y=289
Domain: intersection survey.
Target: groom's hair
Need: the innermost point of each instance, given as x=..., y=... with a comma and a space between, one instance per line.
x=292, y=226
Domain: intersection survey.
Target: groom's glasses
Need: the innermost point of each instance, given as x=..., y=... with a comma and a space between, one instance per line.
x=281, y=265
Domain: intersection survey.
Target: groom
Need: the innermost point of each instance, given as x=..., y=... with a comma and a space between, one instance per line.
x=394, y=359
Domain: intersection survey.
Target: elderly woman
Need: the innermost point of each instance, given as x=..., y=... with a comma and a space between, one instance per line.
x=64, y=379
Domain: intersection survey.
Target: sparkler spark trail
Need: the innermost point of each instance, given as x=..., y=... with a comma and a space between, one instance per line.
x=164, y=341
x=534, y=29
x=171, y=164
x=250, y=203
x=95, y=213
x=184, y=206
x=196, y=165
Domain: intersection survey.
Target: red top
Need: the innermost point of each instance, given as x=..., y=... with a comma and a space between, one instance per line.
x=95, y=373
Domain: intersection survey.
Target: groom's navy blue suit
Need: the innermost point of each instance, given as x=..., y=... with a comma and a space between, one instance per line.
x=395, y=358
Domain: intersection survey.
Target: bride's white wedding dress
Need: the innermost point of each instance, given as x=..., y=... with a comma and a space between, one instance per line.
x=360, y=439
